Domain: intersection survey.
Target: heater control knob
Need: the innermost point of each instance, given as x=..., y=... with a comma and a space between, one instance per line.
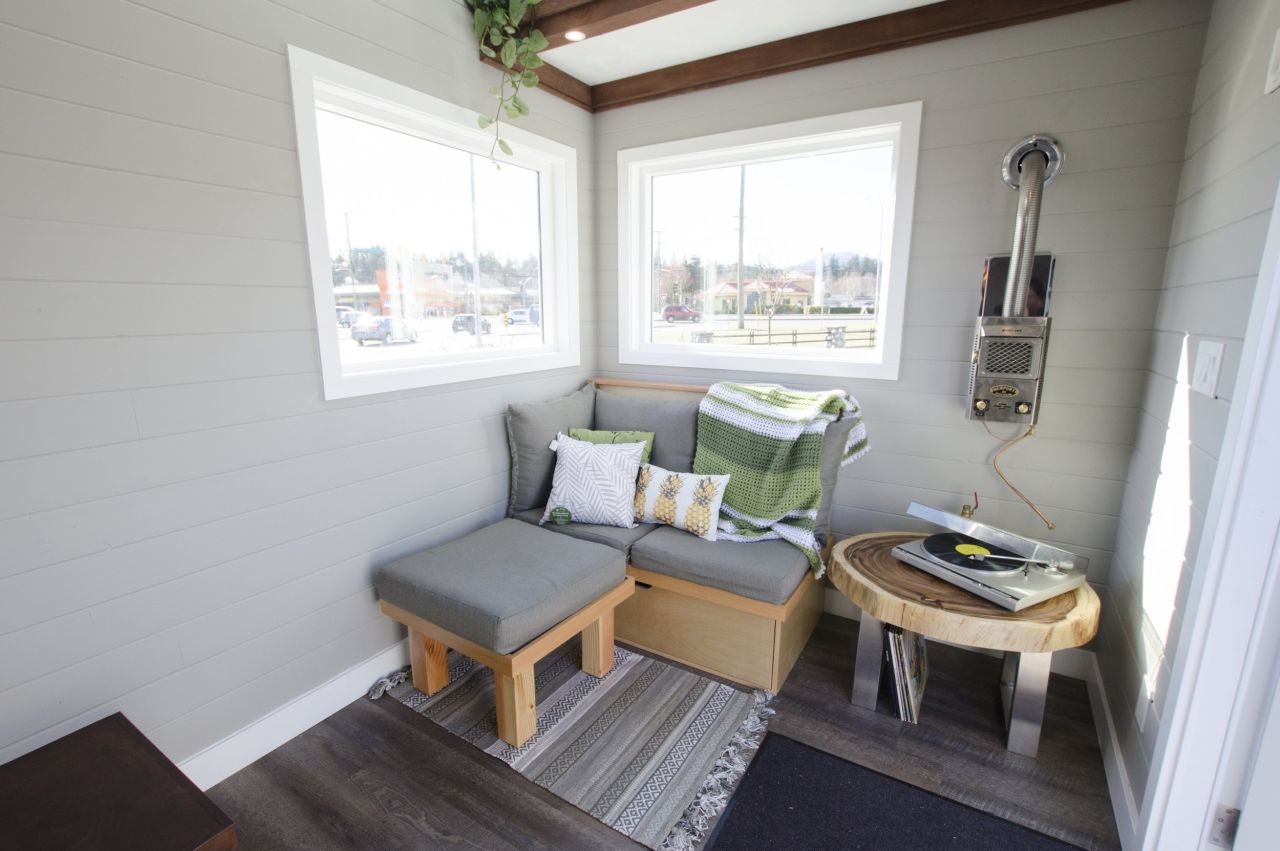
x=1023, y=408
x=981, y=405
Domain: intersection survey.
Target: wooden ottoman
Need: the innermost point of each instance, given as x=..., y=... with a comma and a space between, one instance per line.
x=506, y=596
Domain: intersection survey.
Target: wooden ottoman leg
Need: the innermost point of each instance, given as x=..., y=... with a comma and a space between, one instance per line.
x=430, y=661
x=517, y=705
x=597, y=645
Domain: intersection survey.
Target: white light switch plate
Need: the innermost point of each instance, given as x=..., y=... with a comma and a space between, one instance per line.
x=1204, y=378
x=1273, y=67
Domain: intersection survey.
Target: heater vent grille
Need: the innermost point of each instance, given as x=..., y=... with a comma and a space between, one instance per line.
x=1008, y=357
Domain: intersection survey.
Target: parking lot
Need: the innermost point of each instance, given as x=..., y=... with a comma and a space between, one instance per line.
x=436, y=336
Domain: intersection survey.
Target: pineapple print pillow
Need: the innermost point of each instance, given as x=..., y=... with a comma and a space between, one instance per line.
x=684, y=500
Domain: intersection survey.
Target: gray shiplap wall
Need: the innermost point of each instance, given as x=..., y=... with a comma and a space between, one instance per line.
x=1225, y=195
x=188, y=531
x=1115, y=86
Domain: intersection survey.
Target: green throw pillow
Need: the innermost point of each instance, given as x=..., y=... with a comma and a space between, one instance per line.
x=596, y=436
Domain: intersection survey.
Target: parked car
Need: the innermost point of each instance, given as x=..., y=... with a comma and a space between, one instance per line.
x=385, y=329
x=677, y=312
x=466, y=323
x=347, y=315
x=518, y=316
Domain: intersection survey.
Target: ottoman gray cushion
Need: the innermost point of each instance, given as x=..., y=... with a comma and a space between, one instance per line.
x=674, y=425
x=611, y=536
x=765, y=570
x=503, y=585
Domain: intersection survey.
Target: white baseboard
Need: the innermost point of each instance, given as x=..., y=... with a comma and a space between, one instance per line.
x=1123, y=802
x=224, y=758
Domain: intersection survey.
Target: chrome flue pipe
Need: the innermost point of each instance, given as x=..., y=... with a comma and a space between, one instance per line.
x=1028, y=167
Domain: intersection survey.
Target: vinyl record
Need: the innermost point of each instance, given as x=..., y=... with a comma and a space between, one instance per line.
x=960, y=551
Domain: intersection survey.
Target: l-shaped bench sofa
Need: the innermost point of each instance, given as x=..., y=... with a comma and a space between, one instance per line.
x=741, y=611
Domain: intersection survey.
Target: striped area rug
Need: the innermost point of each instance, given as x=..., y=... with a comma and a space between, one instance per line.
x=650, y=749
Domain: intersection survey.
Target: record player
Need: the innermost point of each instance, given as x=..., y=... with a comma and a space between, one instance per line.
x=1007, y=569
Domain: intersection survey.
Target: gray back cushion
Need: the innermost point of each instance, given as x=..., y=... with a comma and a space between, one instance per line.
x=530, y=429
x=833, y=441
x=674, y=425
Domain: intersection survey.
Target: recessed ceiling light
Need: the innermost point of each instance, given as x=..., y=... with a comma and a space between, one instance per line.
x=575, y=35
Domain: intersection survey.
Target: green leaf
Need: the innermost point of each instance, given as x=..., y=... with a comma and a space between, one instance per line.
x=488, y=51
x=506, y=149
x=484, y=121
x=495, y=36
x=511, y=111
x=516, y=10
x=519, y=105
x=529, y=78
x=533, y=60
x=537, y=40
x=509, y=54
x=480, y=23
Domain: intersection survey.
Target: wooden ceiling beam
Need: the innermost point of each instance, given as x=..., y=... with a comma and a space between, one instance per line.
x=920, y=25
x=554, y=81
x=596, y=17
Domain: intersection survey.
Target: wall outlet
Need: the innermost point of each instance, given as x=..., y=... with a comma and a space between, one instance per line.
x=1204, y=378
x=1273, y=67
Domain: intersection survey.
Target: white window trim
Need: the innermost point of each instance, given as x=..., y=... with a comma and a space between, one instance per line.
x=381, y=101
x=637, y=166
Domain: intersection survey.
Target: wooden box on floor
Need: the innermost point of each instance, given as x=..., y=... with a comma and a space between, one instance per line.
x=744, y=640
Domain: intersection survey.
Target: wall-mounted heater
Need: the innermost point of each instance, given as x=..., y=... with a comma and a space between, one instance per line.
x=1012, y=337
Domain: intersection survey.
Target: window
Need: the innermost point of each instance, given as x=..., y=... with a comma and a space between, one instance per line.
x=774, y=249
x=429, y=262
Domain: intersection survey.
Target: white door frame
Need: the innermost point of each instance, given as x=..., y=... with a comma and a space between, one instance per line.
x=1225, y=663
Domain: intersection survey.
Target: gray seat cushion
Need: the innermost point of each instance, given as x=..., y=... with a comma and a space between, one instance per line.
x=765, y=570
x=530, y=429
x=611, y=536
x=503, y=585
x=674, y=425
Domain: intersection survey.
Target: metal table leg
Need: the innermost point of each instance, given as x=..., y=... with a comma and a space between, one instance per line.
x=1024, y=682
x=867, y=662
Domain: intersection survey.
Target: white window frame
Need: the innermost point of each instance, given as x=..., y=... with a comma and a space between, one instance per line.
x=637, y=167
x=318, y=81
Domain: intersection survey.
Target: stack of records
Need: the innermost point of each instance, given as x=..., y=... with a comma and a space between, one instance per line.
x=905, y=654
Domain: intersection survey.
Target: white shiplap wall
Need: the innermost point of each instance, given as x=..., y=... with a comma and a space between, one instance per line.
x=188, y=531
x=1225, y=194
x=1114, y=85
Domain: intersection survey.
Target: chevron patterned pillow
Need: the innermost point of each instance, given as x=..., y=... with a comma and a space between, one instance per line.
x=596, y=483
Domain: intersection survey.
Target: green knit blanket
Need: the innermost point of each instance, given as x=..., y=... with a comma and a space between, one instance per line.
x=769, y=440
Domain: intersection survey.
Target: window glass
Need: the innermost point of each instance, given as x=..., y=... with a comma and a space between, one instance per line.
x=429, y=237
x=780, y=253
x=782, y=248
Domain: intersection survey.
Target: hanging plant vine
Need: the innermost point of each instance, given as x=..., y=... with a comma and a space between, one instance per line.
x=503, y=33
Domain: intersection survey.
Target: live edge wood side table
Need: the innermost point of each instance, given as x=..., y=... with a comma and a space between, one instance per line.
x=889, y=591
x=106, y=787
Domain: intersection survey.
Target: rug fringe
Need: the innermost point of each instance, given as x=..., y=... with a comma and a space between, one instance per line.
x=725, y=774
x=389, y=682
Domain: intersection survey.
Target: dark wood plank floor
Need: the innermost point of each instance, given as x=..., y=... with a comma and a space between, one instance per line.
x=377, y=775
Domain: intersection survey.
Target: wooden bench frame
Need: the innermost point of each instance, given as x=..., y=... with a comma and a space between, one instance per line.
x=738, y=638
x=513, y=672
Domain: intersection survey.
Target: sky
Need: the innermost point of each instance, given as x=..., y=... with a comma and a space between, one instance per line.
x=401, y=190
x=794, y=207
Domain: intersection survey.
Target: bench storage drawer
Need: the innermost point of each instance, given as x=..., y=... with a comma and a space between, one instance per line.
x=734, y=637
